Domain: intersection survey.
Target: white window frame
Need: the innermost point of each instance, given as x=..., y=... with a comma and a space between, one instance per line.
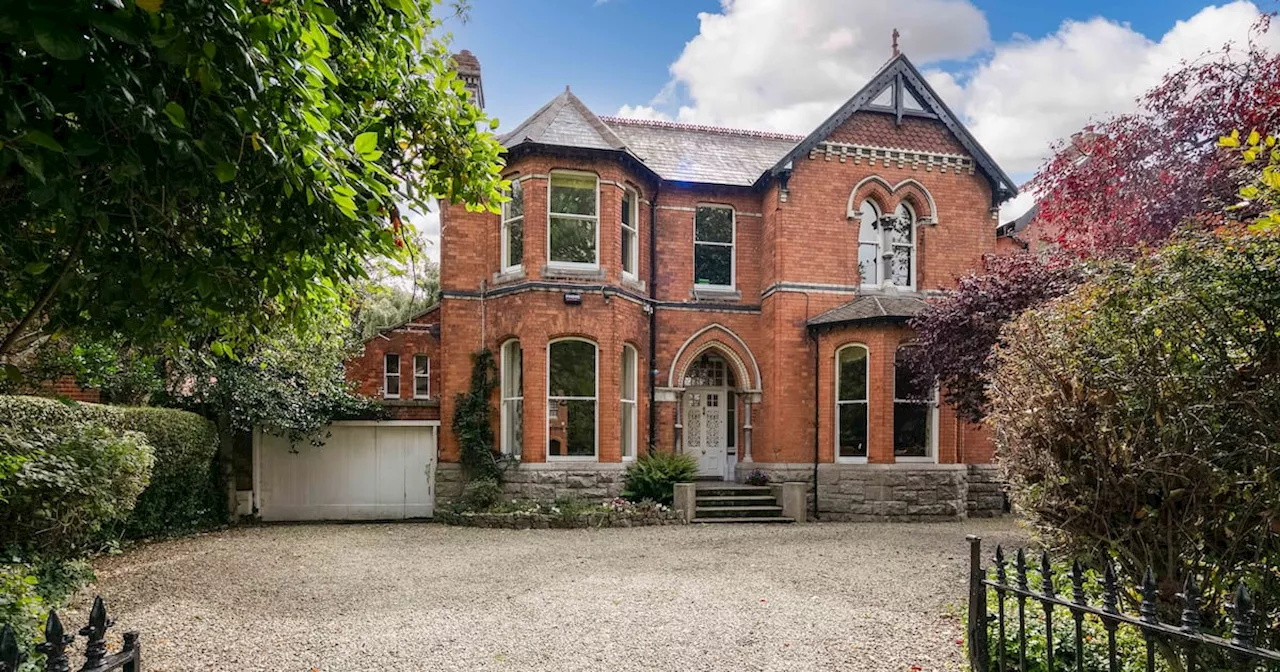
x=546, y=429
x=865, y=401
x=425, y=376
x=510, y=402
x=628, y=407
x=931, y=448
x=632, y=232
x=387, y=374
x=732, y=245
x=885, y=247
x=574, y=265
x=508, y=264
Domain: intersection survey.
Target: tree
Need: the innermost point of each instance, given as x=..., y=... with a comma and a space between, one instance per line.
x=397, y=289
x=1116, y=190
x=1128, y=182
x=291, y=383
x=179, y=167
x=956, y=333
x=1135, y=417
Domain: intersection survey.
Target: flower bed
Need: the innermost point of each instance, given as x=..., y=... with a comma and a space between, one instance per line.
x=563, y=514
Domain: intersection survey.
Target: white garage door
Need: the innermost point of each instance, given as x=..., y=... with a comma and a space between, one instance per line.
x=364, y=471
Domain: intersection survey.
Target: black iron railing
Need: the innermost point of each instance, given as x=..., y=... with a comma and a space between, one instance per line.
x=57, y=641
x=1187, y=641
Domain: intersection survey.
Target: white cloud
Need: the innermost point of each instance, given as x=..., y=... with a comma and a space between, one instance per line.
x=1029, y=93
x=785, y=65
x=643, y=112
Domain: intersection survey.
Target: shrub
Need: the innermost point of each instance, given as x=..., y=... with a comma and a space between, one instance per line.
x=654, y=476
x=757, y=477
x=481, y=494
x=471, y=420
x=70, y=488
x=22, y=607
x=182, y=496
x=1136, y=417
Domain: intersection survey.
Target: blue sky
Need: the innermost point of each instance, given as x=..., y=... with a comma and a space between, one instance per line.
x=618, y=52
x=1021, y=74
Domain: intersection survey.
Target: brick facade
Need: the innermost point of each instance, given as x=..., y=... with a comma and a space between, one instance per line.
x=795, y=256
x=418, y=336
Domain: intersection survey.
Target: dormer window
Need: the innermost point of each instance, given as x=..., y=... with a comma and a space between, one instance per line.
x=886, y=246
x=573, y=231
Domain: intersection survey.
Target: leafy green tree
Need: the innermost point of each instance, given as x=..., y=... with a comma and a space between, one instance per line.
x=291, y=383
x=397, y=289
x=179, y=167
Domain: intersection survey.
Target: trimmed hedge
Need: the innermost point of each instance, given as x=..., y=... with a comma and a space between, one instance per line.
x=183, y=495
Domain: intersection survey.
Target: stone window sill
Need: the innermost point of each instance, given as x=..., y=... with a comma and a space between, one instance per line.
x=700, y=293
x=512, y=275
x=552, y=271
x=633, y=283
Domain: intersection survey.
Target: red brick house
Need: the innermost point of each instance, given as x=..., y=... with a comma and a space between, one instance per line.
x=739, y=296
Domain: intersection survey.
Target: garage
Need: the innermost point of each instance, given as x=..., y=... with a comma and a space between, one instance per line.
x=364, y=471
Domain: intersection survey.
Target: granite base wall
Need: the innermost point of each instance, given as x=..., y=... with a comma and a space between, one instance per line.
x=895, y=492
x=540, y=481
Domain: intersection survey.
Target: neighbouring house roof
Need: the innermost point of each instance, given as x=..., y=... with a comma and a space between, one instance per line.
x=901, y=76
x=1016, y=226
x=869, y=308
x=421, y=314
x=705, y=154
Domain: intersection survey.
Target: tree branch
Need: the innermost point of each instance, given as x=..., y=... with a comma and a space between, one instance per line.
x=46, y=295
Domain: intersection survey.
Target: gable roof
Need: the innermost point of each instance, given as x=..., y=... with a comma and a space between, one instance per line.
x=713, y=155
x=564, y=122
x=901, y=76
x=868, y=308
x=706, y=154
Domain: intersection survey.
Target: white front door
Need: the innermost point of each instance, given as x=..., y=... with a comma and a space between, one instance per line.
x=706, y=430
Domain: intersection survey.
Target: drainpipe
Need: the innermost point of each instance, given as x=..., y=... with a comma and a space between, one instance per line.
x=813, y=336
x=653, y=321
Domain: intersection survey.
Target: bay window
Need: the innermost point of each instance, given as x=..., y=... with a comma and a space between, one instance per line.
x=572, y=222
x=627, y=422
x=630, y=233
x=571, y=391
x=512, y=411
x=513, y=229
x=851, y=404
x=914, y=406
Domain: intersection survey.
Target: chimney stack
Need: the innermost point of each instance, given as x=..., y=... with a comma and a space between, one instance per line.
x=468, y=69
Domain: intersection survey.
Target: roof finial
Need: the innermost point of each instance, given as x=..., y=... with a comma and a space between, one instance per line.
x=896, y=51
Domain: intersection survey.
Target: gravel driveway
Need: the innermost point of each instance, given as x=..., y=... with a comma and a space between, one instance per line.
x=429, y=597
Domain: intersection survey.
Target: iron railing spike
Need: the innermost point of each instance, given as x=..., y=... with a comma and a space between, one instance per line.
x=55, y=644
x=1077, y=583
x=1190, y=604
x=11, y=656
x=1020, y=564
x=1046, y=573
x=1000, y=572
x=1110, y=593
x=96, y=632
x=1147, y=608
x=1242, y=628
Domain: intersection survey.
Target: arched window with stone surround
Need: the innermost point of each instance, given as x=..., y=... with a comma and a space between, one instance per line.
x=886, y=246
x=512, y=411
x=572, y=390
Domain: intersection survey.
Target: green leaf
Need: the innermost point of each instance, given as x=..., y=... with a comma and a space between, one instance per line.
x=59, y=40
x=176, y=114
x=366, y=143
x=225, y=171
x=35, y=268
x=42, y=139
x=318, y=123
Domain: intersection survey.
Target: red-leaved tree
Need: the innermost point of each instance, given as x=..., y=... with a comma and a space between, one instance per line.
x=1116, y=189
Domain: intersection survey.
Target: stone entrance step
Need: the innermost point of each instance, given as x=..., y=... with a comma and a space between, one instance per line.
x=721, y=502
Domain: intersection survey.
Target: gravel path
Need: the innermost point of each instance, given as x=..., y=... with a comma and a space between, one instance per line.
x=429, y=597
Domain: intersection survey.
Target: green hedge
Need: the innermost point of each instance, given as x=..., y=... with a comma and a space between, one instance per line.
x=183, y=495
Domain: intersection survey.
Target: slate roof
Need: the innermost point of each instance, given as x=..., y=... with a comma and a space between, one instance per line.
x=707, y=154
x=565, y=122
x=870, y=307
x=713, y=155
x=1020, y=224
